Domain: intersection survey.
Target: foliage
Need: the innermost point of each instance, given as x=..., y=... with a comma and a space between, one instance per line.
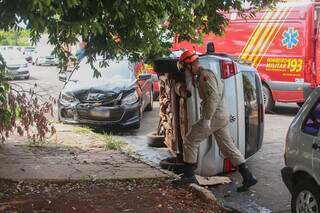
x=111, y=143
x=111, y=28
x=24, y=111
x=82, y=130
x=15, y=37
x=116, y=28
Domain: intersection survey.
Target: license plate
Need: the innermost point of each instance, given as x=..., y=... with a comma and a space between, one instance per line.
x=100, y=112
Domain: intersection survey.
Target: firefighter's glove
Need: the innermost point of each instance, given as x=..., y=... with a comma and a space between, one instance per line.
x=206, y=124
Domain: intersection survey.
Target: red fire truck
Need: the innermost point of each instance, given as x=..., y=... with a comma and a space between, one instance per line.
x=282, y=44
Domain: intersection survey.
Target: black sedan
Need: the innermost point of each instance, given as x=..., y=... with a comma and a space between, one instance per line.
x=114, y=98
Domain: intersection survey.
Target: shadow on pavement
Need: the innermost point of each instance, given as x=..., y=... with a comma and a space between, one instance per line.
x=115, y=130
x=286, y=110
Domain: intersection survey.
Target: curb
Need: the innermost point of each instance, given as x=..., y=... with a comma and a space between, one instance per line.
x=209, y=197
x=204, y=194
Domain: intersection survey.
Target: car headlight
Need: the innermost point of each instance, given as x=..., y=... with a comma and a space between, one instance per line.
x=131, y=98
x=67, y=99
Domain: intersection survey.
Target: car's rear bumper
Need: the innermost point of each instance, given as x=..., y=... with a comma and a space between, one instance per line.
x=287, y=174
x=123, y=116
x=18, y=74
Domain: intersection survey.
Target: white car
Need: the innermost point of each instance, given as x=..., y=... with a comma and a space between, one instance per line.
x=302, y=157
x=16, y=65
x=29, y=54
x=243, y=100
x=46, y=59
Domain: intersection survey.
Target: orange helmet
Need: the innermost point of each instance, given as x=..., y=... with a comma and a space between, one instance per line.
x=188, y=56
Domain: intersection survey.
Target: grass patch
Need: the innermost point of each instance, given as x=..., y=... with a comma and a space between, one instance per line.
x=82, y=130
x=37, y=142
x=111, y=143
x=53, y=121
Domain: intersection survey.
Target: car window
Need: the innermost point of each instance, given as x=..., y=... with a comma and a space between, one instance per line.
x=211, y=65
x=115, y=70
x=253, y=113
x=311, y=124
x=204, y=63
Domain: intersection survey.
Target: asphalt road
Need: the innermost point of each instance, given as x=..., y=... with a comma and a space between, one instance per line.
x=270, y=194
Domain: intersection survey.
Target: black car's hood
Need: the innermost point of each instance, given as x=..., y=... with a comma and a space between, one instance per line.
x=98, y=90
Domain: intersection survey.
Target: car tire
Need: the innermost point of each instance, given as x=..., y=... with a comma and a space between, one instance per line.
x=268, y=101
x=150, y=105
x=155, y=96
x=300, y=191
x=155, y=140
x=172, y=165
x=27, y=77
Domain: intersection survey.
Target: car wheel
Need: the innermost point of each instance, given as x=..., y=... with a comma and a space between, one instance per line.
x=305, y=197
x=171, y=164
x=155, y=140
x=155, y=96
x=268, y=101
x=27, y=77
x=150, y=105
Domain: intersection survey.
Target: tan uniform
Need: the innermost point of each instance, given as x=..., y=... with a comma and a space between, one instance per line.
x=211, y=91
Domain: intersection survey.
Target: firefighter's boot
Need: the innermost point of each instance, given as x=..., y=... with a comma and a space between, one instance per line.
x=248, y=179
x=187, y=177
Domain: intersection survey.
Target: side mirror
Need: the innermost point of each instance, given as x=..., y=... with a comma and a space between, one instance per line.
x=144, y=76
x=63, y=77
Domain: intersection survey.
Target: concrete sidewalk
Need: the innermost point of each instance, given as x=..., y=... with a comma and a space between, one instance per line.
x=70, y=156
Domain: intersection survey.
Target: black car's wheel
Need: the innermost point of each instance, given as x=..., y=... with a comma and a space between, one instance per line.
x=171, y=164
x=155, y=140
x=305, y=197
x=150, y=105
x=268, y=101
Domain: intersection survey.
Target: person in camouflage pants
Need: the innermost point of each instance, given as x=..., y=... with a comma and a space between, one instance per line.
x=214, y=120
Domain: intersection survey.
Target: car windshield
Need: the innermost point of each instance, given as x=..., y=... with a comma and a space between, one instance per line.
x=116, y=70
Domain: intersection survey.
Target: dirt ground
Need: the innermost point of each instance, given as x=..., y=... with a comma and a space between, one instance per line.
x=87, y=196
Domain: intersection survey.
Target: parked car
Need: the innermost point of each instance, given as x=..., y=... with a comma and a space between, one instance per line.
x=29, y=54
x=16, y=65
x=243, y=100
x=46, y=59
x=142, y=69
x=115, y=98
x=302, y=157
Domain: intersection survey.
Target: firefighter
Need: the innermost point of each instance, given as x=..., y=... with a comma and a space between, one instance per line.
x=214, y=120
